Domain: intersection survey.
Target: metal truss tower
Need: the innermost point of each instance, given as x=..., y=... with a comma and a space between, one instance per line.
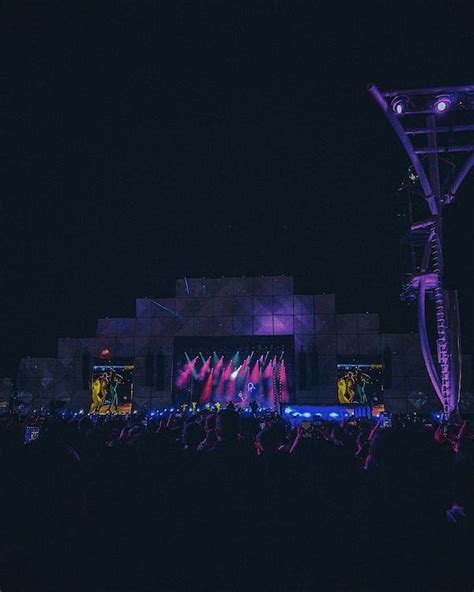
x=431, y=124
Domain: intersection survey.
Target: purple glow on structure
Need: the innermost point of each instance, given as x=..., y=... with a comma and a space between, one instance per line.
x=442, y=104
x=445, y=375
x=420, y=171
x=400, y=104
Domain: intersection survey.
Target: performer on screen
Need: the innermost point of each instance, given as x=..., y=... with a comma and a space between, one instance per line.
x=115, y=380
x=363, y=380
x=350, y=384
x=104, y=381
x=341, y=391
x=97, y=400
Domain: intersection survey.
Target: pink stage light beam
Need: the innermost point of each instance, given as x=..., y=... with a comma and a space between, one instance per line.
x=207, y=390
x=225, y=377
x=204, y=369
x=185, y=373
x=284, y=395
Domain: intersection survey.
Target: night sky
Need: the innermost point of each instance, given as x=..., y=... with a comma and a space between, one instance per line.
x=145, y=141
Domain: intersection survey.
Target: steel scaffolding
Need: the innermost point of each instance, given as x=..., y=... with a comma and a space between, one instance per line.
x=444, y=116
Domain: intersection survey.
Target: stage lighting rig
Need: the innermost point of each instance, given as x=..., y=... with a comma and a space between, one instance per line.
x=422, y=101
x=434, y=125
x=443, y=103
x=400, y=104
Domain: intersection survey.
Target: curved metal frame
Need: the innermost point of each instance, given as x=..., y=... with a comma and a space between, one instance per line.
x=447, y=381
x=422, y=330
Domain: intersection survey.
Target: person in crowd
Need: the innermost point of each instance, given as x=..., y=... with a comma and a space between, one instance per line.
x=233, y=501
x=210, y=431
x=193, y=434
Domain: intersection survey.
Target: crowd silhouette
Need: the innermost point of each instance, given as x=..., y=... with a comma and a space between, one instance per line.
x=223, y=502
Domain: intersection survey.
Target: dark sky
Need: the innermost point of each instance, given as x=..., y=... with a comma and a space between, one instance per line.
x=144, y=141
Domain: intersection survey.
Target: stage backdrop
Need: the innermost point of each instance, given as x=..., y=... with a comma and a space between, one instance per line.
x=237, y=369
x=248, y=309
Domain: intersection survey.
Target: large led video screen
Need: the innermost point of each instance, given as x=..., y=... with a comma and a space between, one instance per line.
x=359, y=384
x=240, y=370
x=112, y=388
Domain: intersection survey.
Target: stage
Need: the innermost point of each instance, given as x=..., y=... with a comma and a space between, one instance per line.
x=234, y=339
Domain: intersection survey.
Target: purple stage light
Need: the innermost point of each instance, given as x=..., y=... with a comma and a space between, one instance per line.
x=442, y=103
x=400, y=104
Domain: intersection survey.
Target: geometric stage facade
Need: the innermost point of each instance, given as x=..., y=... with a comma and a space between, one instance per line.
x=240, y=308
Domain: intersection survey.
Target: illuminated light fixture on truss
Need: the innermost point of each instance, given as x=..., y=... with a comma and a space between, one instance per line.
x=424, y=142
x=400, y=104
x=442, y=103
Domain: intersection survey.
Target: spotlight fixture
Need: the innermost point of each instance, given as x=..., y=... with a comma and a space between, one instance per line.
x=400, y=104
x=442, y=103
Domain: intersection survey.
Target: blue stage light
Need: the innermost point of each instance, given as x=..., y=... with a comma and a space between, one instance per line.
x=288, y=410
x=333, y=414
x=307, y=414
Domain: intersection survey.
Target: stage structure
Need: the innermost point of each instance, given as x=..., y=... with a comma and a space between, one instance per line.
x=435, y=127
x=236, y=338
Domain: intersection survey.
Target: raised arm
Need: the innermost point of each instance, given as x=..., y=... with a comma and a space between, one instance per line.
x=373, y=431
x=297, y=439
